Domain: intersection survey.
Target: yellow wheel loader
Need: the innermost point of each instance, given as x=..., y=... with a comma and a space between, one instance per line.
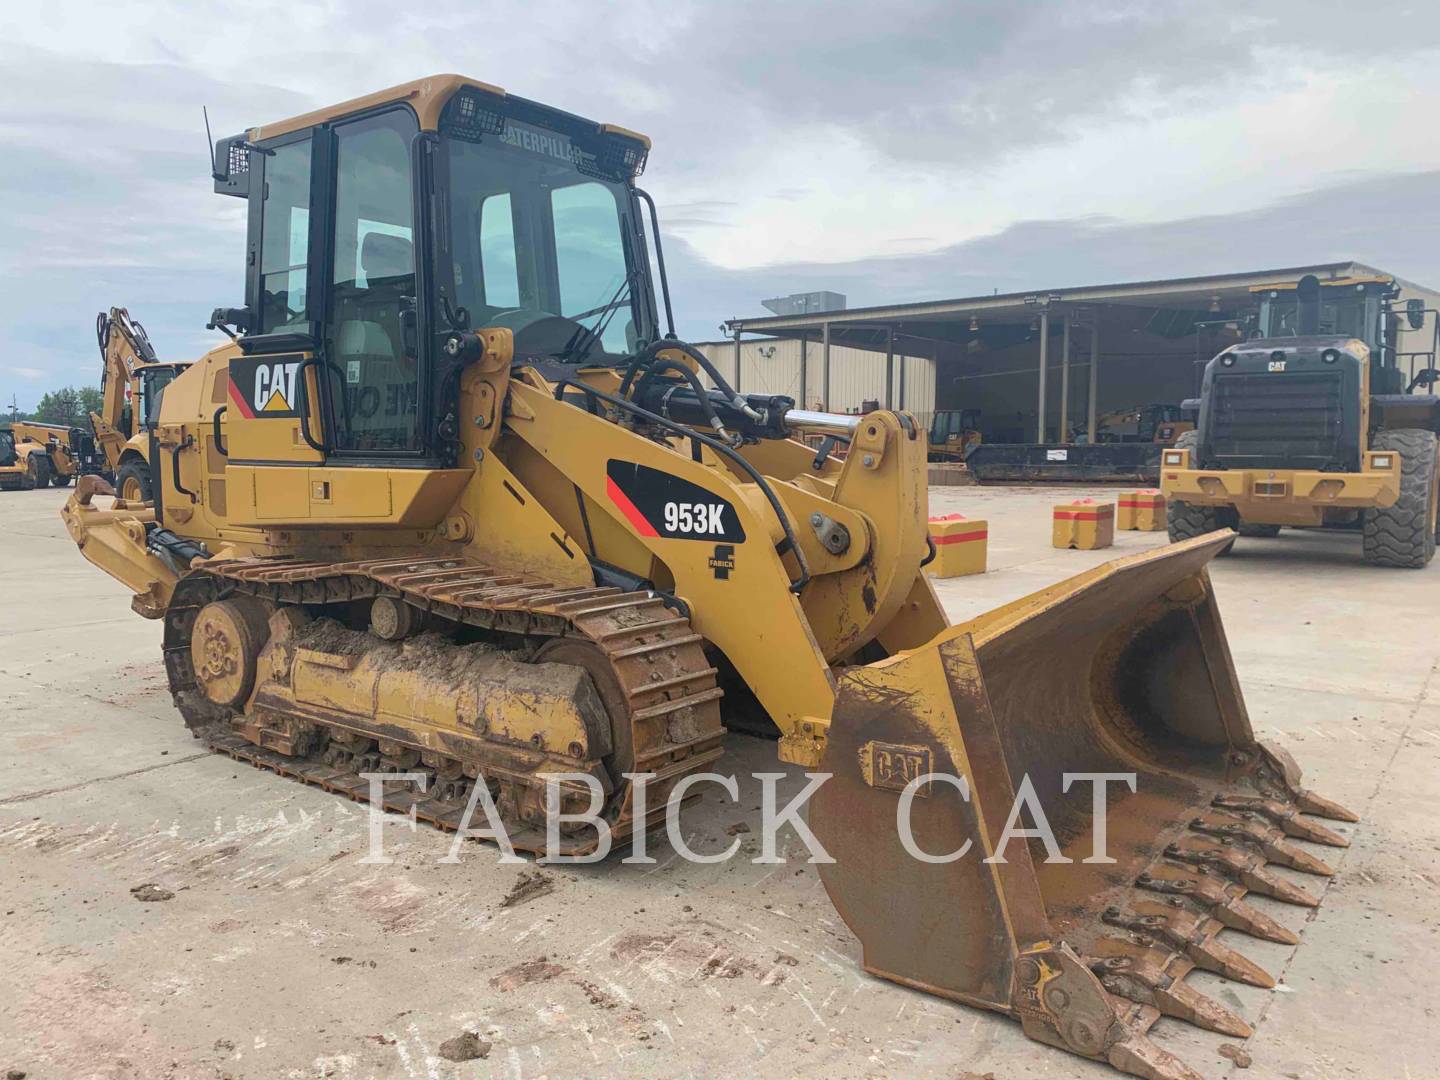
x=1311, y=423
x=450, y=503
x=132, y=379
x=38, y=455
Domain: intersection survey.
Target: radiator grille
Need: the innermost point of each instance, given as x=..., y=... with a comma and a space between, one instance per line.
x=1282, y=417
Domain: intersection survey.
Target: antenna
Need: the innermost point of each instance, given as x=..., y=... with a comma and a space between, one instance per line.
x=209, y=142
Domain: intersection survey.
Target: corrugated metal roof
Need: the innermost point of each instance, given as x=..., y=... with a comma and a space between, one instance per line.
x=1166, y=292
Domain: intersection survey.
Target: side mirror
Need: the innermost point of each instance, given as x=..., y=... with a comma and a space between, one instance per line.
x=238, y=319
x=1415, y=313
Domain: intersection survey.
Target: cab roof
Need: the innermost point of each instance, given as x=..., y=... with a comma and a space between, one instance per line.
x=1329, y=283
x=427, y=96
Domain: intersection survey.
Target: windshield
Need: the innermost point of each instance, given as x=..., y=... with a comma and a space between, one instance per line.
x=1338, y=315
x=152, y=382
x=7, y=448
x=532, y=235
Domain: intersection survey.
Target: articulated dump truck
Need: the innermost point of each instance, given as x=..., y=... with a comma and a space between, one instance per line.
x=450, y=502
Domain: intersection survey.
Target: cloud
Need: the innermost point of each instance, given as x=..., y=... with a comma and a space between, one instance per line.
x=888, y=150
x=1374, y=220
x=28, y=372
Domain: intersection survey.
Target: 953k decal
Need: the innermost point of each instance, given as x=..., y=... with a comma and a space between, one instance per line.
x=659, y=504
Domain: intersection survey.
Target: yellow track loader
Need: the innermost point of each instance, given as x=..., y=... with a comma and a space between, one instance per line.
x=451, y=502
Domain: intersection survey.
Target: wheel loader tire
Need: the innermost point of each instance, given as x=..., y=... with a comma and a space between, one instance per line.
x=37, y=472
x=1185, y=521
x=1261, y=531
x=1403, y=535
x=133, y=482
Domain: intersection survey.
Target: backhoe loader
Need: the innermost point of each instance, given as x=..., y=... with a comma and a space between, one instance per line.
x=38, y=455
x=131, y=381
x=450, y=502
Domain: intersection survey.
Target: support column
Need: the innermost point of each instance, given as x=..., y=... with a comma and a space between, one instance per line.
x=1094, y=368
x=1044, y=362
x=1065, y=379
x=736, y=384
x=903, y=361
x=825, y=369
x=804, y=357
x=889, y=368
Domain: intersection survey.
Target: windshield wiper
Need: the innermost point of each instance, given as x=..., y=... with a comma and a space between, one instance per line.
x=579, y=346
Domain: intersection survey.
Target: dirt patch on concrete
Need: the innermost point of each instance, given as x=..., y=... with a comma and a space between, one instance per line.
x=532, y=971
x=465, y=1047
x=530, y=885
x=1240, y=1057
x=151, y=893
x=634, y=947
x=597, y=997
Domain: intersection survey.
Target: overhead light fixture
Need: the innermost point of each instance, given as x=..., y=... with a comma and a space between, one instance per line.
x=1214, y=303
x=974, y=324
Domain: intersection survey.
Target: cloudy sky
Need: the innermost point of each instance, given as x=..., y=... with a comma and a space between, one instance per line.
x=886, y=150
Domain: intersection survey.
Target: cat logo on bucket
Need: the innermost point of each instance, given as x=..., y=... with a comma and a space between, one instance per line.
x=266, y=387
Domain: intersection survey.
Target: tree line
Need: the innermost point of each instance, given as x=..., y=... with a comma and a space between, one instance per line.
x=69, y=405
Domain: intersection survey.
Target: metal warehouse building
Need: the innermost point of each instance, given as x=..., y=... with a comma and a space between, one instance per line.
x=1042, y=366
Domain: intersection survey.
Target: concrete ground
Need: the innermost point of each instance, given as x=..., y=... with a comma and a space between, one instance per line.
x=280, y=954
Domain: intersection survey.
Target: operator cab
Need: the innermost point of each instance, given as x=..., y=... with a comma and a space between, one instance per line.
x=381, y=228
x=7, y=447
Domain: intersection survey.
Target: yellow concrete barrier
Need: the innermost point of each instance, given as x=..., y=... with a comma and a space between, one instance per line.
x=960, y=545
x=1141, y=510
x=1084, y=524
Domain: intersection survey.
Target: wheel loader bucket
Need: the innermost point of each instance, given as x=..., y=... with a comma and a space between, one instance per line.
x=1086, y=938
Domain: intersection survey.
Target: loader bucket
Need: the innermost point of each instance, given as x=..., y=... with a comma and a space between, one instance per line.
x=1120, y=670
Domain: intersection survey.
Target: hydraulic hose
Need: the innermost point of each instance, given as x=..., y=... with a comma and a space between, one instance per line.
x=701, y=393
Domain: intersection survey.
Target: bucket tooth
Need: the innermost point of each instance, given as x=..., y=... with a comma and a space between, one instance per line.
x=1192, y=934
x=1286, y=817
x=1223, y=960
x=1278, y=767
x=1247, y=918
x=1248, y=869
x=1222, y=900
x=1149, y=976
x=1137, y=1055
x=1184, y=1002
x=1311, y=803
x=1266, y=837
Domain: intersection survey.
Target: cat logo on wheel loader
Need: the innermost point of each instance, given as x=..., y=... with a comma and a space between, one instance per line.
x=581, y=539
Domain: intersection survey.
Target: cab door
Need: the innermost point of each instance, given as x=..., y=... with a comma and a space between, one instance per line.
x=325, y=412
x=371, y=335
x=273, y=412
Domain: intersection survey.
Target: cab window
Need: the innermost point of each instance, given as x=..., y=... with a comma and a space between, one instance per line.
x=285, y=236
x=370, y=332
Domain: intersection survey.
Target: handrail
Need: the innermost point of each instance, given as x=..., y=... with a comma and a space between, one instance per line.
x=302, y=401
x=175, y=467
x=789, y=544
